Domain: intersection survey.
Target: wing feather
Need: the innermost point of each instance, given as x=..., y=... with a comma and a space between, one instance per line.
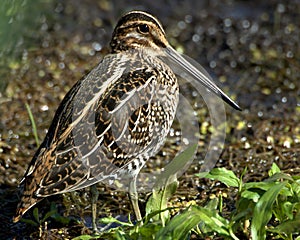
x=100, y=126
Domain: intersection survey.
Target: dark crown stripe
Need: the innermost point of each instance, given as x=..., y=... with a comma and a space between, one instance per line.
x=137, y=15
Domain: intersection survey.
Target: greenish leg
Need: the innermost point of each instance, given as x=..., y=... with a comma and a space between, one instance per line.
x=133, y=195
x=94, y=196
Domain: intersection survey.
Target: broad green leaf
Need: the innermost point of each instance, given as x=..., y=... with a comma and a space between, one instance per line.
x=265, y=186
x=120, y=235
x=288, y=227
x=274, y=169
x=296, y=188
x=244, y=204
x=263, y=211
x=146, y=231
x=180, y=226
x=84, y=237
x=212, y=204
x=158, y=202
x=203, y=174
x=48, y=214
x=108, y=220
x=279, y=176
x=29, y=221
x=241, y=214
x=288, y=208
x=223, y=175
x=254, y=196
x=151, y=215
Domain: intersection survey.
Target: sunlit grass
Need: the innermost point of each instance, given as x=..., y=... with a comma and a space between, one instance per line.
x=34, y=129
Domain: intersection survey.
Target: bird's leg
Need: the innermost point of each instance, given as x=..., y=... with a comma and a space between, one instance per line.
x=94, y=196
x=133, y=195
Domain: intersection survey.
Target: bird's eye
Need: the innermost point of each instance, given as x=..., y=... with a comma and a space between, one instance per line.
x=143, y=28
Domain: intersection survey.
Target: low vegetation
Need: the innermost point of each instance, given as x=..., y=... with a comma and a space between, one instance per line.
x=263, y=210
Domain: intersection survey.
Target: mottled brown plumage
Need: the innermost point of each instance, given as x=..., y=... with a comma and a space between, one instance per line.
x=112, y=120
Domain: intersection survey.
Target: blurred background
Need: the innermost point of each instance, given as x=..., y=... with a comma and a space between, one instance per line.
x=251, y=49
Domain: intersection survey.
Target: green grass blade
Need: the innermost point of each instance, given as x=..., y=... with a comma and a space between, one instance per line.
x=180, y=226
x=30, y=222
x=34, y=129
x=84, y=237
x=223, y=175
x=263, y=211
x=175, y=166
x=36, y=214
x=166, y=184
x=108, y=220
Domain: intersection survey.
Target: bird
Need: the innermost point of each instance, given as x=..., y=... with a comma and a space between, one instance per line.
x=113, y=119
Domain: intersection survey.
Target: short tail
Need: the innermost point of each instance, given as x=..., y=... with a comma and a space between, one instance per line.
x=27, y=201
x=19, y=214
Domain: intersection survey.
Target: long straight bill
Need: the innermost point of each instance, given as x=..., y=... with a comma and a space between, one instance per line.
x=200, y=75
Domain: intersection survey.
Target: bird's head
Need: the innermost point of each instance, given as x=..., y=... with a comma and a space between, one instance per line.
x=136, y=30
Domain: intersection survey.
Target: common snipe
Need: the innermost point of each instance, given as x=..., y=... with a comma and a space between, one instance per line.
x=114, y=119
